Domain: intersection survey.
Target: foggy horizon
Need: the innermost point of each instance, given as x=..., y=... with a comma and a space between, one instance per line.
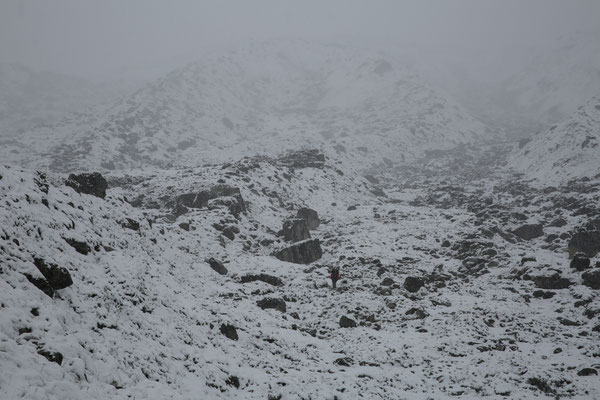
x=112, y=40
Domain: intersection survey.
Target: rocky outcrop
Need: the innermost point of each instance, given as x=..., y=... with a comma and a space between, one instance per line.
x=413, y=284
x=229, y=331
x=303, y=252
x=88, y=183
x=80, y=247
x=217, y=266
x=270, y=279
x=311, y=158
x=219, y=195
x=272, y=302
x=55, y=277
x=310, y=216
x=295, y=230
x=346, y=322
x=529, y=231
x=586, y=242
x=580, y=262
x=551, y=282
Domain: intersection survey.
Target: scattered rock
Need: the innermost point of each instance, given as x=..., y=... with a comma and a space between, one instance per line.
x=217, y=266
x=387, y=282
x=52, y=356
x=413, y=284
x=270, y=279
x=542, y=294
x=272, y=302
x=418, y=313
x=446, y=243
x=80, y=247
x=131, y=224
x=580, y=262
x=311, y=158
x=233, y=381
x=346, y=322
x=303, y=252
x=229, y=331
x=310, y=216
x=57, y=277
x=230, y=196
x=185, y=226
x=344, y=362
x=88, y=183
x=591, y=279
x=529, y=231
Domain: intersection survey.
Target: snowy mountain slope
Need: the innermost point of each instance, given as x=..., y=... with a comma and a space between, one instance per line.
x=570, y=149
x=143, y=316
x=267, y=98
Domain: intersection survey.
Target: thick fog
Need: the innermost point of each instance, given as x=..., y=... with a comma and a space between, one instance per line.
x=114, y=39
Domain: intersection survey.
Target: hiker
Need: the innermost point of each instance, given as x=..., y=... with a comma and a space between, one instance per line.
x=335, y=275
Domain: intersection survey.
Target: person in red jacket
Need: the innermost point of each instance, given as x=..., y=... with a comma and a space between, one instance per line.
x=335, y=275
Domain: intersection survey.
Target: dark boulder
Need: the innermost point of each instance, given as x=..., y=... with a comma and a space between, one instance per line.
x=529, y=231
x=417, y=313
x=88, y=183
x=587, y=372
x=295, y=230
x=346, y=322
x=413, y=284
x=229, y=331
x=387, y=282
x=552, y=282
x=310, y=216
x=57, y=277
x=131, y=224
x=52, y=356
x=80, y=247
x=272, y=302
x=558, y=223
x=344, y=362
x=591, y=279
x=217, y=266
x=185, y=226
x=41, y=283
x=303, y=252
x=580, y=262
x=270, y=279
x=586, y=242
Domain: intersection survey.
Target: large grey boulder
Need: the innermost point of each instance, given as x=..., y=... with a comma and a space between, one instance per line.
x=591, y=279
x=310, y=216
x=88, y=183
x=303, y=252
x=586, y=242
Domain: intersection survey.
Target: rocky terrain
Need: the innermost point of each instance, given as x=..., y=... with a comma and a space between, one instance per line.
x=178, y=243
x=459, y=280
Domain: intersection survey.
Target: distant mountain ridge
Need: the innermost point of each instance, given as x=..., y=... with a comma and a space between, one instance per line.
x=265, y=99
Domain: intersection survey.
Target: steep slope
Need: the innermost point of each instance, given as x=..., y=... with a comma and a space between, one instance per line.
x=568, y=150
x=266, y=98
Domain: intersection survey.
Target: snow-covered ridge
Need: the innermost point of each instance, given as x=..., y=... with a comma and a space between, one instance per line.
x=568, y=150
x=266, y=98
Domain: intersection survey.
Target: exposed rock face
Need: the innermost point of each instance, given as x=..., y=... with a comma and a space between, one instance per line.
x=88, y=183
x=413, y=284
x=272, y=302
x=529, y=231
x=295, y=230
x=217, y=266
x=303, y=252
x=310, y=216
x=580, y=263
x=311, y=158
x=270, y=279
x=229, y=331
x=591, y=279
x=221, y=195
x=346, y=322
x=586, y=242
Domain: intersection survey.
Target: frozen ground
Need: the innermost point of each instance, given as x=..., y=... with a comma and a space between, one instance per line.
x=145, y=315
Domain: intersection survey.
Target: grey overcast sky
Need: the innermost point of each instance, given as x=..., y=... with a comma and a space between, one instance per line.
x=94, y=39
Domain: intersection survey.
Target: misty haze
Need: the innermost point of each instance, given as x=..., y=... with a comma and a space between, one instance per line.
x=299, y=200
